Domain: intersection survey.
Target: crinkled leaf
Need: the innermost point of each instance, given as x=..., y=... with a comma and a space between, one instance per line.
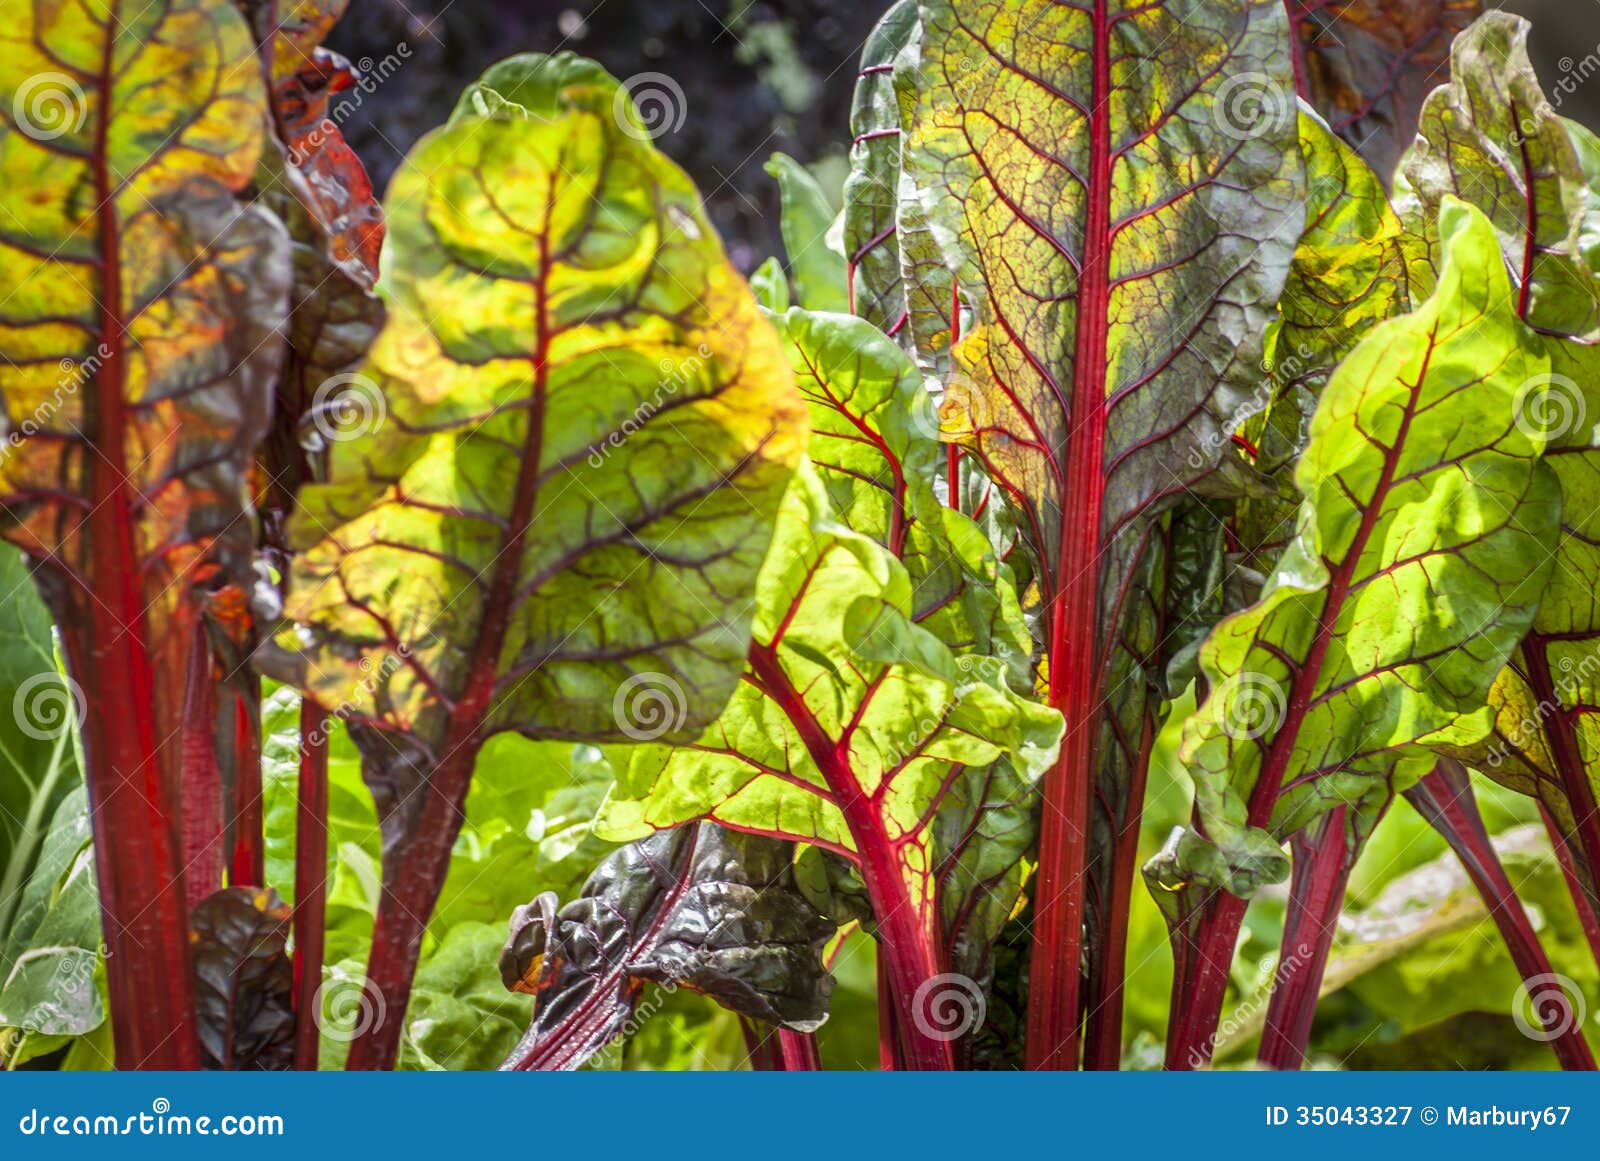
x=1367, y=65
x=872, y=191
x=588, y=429
x=1348, y=274
x=1416, y=567
x=53, y=947
x=1490, y=138
x=816, y=270
x=698, y=907
x=244, y=980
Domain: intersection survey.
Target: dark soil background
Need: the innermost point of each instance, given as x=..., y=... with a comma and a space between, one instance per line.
x=757, y=76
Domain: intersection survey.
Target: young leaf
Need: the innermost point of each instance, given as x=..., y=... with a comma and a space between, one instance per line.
x=244, y=981
x=1418, y=563
x=139, y=345
x=698, y=907
x=1120, y=190
x=815, y=268
x=1490, y=138
x=1367, y=65
x=589, y=427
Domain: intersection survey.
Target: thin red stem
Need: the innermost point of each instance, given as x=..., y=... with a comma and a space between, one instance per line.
x=1587, y=919
x=1446, y=800
x=310, y=880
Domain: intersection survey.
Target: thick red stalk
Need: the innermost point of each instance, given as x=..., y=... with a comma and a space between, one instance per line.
x=310, y=880
x=1587, y=920
x=1446, y=800
x=800, y=1052
x=1053, y=1013
x=1323, y=861
x=1103, y=995
x=132, y=784
x=761, y=1046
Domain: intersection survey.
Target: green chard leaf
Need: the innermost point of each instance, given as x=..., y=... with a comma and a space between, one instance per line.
x=49, y=991
x=698, y=907
x=816, y=269
x=1420, y=555
x=586, y=429
x=138, y=348
x=36, y=739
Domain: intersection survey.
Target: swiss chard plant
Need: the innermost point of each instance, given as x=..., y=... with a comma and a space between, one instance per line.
x=459, y=632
